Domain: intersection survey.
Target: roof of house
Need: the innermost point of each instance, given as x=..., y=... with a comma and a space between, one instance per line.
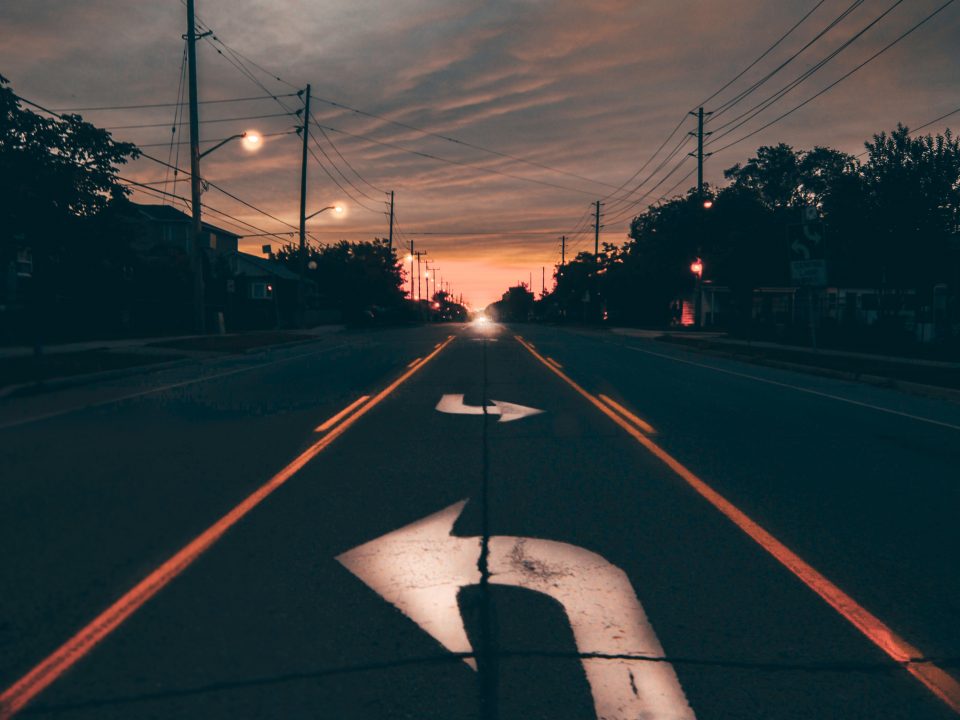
x=255, y=266
x=168, y=214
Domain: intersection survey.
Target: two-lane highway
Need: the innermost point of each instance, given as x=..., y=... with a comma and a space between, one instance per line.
x=482, y=521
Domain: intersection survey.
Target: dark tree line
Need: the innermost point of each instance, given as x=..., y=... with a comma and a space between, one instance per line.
x=889, y=221
x=354, y=278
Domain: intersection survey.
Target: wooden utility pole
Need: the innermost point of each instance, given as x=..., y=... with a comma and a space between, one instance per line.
x=563, y=251
x=700, y=210
x=418, y=255
x=301, y=285
x=196, y=249
x=411, y=269
x=596, y=234
x=390, y=241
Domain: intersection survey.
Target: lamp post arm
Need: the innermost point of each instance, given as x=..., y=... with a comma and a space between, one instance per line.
x=222, y=143
x=330, y=207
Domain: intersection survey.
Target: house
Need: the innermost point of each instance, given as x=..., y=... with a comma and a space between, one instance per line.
x=261, y=293
x=164, y=226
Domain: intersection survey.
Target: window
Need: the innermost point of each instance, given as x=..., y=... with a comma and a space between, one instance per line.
x=261, y=291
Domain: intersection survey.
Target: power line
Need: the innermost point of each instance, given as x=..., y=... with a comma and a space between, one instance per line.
x=167, y=105
x=921, y=127
x=339, y=171
x=214, y=140
x=458, y=141
x=202, y=122
x=742, y=95
x=337, y=183
x=762, y=55
x=438, y=158
x=340, y=155
x=237, y=60
x=748, y=115
x=842, y=77
x=186, y=201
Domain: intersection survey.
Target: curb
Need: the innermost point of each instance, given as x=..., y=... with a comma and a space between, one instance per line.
x=29, y=389
x=914, y=388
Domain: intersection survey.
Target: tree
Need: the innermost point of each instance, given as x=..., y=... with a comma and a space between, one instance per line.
x=59, y=176
x=353, y=277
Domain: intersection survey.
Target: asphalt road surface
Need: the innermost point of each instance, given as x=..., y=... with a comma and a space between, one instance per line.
x=588, y=526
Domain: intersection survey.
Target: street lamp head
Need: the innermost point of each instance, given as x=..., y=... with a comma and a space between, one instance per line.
x=252, y=140
x=338, y=209
x=707, y=204
x=696, y=267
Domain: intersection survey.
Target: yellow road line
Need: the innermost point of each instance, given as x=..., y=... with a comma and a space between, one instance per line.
x=327, y=424
x=936, y=680
x=639, y=422
x=414, y=362
x=554, y=363
x=66, y=656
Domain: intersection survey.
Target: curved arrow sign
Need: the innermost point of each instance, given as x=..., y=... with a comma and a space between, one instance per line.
x=508, y=412
x=421, y=568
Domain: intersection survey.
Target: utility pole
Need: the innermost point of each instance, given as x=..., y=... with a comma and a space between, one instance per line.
x=596, y=234
x=390, y=241
x=418, y=255
x=301, y=290
x=543, y=280
x=700, y=209
x=563, y=251
x=411, y=269
x=196, y=254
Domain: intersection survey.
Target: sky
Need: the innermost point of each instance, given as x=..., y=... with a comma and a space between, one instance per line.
x=546, y=106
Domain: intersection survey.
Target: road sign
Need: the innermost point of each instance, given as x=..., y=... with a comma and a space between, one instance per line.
x=508, y=412
x=809, y=272
x=808, y=266
x=421, y=568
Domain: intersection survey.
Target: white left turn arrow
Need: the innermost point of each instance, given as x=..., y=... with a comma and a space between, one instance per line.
x=421, y=568
x=508, y=412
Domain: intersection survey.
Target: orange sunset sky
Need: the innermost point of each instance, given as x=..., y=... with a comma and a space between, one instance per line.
x=545, y=105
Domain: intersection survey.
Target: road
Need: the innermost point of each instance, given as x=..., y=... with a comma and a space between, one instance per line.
x=302, y=533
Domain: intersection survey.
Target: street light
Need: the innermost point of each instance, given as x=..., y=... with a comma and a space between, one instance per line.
x=252, y=140
x=338, y=209
x=696, y=267
x=707, y=204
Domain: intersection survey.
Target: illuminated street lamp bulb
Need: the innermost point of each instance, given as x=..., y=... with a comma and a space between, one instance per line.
x=696, y=267
x=409, y=258
x=338, y=209
x=252, y=140
x=707, y=204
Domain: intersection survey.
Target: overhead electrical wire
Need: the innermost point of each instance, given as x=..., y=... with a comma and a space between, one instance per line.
x=843, y=77
x=174, y=159
x=236, y=59
x=763, y=54
x=748, y=115
x=458, y=141
x=337, y=183
x=148, y=106
x=741, y=96
x=214, y=140
x=201, y=122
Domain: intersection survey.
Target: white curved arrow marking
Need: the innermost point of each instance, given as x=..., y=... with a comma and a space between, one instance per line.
x=420, y=569
x=508, y=412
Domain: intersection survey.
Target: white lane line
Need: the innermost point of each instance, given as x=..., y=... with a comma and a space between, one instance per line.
x=798, y=388
x=162, y=388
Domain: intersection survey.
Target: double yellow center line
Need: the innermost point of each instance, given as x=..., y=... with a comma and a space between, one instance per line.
x=939, y=682
x=67, y=655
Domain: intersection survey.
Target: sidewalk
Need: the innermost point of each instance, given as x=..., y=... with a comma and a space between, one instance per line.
x=71, y=364
x=928, y=377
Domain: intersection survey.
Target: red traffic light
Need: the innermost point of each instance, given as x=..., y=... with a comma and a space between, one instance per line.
x=696, y=267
